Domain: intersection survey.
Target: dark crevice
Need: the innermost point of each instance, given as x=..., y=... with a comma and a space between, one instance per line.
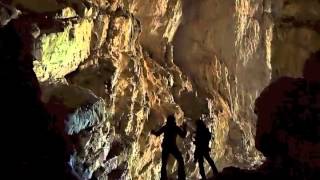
x=293, y=22
x=118, y=173
x=115, y=150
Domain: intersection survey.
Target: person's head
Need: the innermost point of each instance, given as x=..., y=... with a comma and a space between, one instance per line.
x=311, y=67
x=200, y=124
x=171, y=120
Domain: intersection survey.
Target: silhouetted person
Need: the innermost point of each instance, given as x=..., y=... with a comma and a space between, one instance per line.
x=169, y=146
x=202, y=140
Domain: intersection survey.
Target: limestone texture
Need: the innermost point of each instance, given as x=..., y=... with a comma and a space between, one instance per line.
x=61, y=53
x=115, y=69
x=296, y=36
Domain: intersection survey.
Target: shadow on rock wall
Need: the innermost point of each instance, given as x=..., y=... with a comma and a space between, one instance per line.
x=32, y=149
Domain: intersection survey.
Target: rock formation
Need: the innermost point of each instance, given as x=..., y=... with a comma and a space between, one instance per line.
x=221, y=45
x=296, y=36
x=106, y=72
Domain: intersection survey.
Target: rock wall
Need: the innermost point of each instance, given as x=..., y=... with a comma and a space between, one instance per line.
x=224, y=47
x=296, y=36
x=96, y=45
x=143, y=60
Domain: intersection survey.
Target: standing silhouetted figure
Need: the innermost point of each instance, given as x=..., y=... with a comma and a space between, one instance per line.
x=202, y=139
x=169, y=146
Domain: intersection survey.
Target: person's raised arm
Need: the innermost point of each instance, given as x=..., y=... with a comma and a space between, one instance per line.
x=158, y=132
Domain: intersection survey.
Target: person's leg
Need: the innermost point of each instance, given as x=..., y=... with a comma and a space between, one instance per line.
x=177, y=154
x=164, y=159
x=211, y=162
x=201, y=167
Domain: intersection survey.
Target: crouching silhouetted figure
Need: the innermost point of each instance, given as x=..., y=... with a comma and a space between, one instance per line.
x=202, y=140
x=169, y=146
